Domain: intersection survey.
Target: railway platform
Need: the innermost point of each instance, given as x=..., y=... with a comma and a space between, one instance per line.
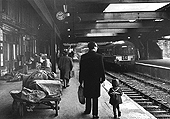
x=70, y=108
x=158, y=68
x=156, y=62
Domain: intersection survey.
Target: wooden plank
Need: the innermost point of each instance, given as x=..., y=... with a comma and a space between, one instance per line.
x=124, y=1
x=120, y=16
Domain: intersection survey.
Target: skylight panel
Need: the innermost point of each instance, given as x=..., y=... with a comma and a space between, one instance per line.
x=134, y=7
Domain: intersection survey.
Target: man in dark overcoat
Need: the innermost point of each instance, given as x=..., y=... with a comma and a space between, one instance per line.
x=91, y=75
x=65, y=65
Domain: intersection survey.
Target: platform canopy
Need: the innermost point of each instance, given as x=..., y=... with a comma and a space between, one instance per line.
x=107, y=20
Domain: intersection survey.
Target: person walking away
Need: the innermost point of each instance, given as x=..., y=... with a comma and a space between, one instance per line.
x=65, y=65
x=91, y=75
x=115, y=94
x=38, y=60
x=71, y=54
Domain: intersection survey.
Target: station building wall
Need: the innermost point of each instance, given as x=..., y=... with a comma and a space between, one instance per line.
x=18, y=40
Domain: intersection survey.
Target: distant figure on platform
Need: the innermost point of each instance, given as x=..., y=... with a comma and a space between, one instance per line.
x=115, y=94
x=71, y=54
x=91, y=76
x=38, y=61
x=65, y=65
x=46, y=65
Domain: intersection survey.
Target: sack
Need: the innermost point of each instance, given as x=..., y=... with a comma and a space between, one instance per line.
x=32, y=95
x=80, y=95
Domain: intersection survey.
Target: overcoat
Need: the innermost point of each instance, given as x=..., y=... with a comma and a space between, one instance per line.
x=91, y=73
x=65, y=65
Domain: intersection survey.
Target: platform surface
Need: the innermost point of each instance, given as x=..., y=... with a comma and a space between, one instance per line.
x=156, y=62
x=70, y=108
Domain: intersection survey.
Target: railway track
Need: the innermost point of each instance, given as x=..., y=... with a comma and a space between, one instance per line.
x=160, y=88
x=162, y=84
x=139, y=94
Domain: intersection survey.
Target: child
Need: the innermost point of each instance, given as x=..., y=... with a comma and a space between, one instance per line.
x=115, y=94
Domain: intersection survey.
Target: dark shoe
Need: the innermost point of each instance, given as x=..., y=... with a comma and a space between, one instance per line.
x=85, y=112
x=115, y=116
x=64, y=87
x=67, y=85
x=95, y=116
x=119, y=114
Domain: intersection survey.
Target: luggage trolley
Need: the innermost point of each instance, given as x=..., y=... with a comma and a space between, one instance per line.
x=20, y=105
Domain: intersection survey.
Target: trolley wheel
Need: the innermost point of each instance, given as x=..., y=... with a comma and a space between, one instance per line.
x=21, y=109
x=56, y=108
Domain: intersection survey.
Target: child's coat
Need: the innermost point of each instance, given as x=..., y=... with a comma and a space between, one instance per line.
x=115, y=95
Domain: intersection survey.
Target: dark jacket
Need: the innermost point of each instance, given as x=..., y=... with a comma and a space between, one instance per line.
x=65, y=65
x=91, y=73
x=115, y=95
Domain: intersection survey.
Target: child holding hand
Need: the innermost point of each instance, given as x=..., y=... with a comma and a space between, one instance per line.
x=115, y=94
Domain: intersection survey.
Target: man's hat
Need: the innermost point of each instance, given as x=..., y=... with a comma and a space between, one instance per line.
x=91, y=45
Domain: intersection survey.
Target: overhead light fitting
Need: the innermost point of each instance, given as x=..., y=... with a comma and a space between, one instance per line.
x=99, y=34
x=158, y=20
x=119, y=42
x=110, y=21
x=139, y=36
x=166, y=37
x=124, y=46
x=102, y=21
x=132, y=20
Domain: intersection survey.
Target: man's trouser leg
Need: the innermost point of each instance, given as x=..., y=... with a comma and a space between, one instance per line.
x=62, y=77
x=95, y=106
x=67, y=81
x=88, y=105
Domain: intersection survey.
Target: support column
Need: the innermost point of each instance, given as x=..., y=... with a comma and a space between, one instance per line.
x=53, y=54
x=53, y=42
x=0, y=13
